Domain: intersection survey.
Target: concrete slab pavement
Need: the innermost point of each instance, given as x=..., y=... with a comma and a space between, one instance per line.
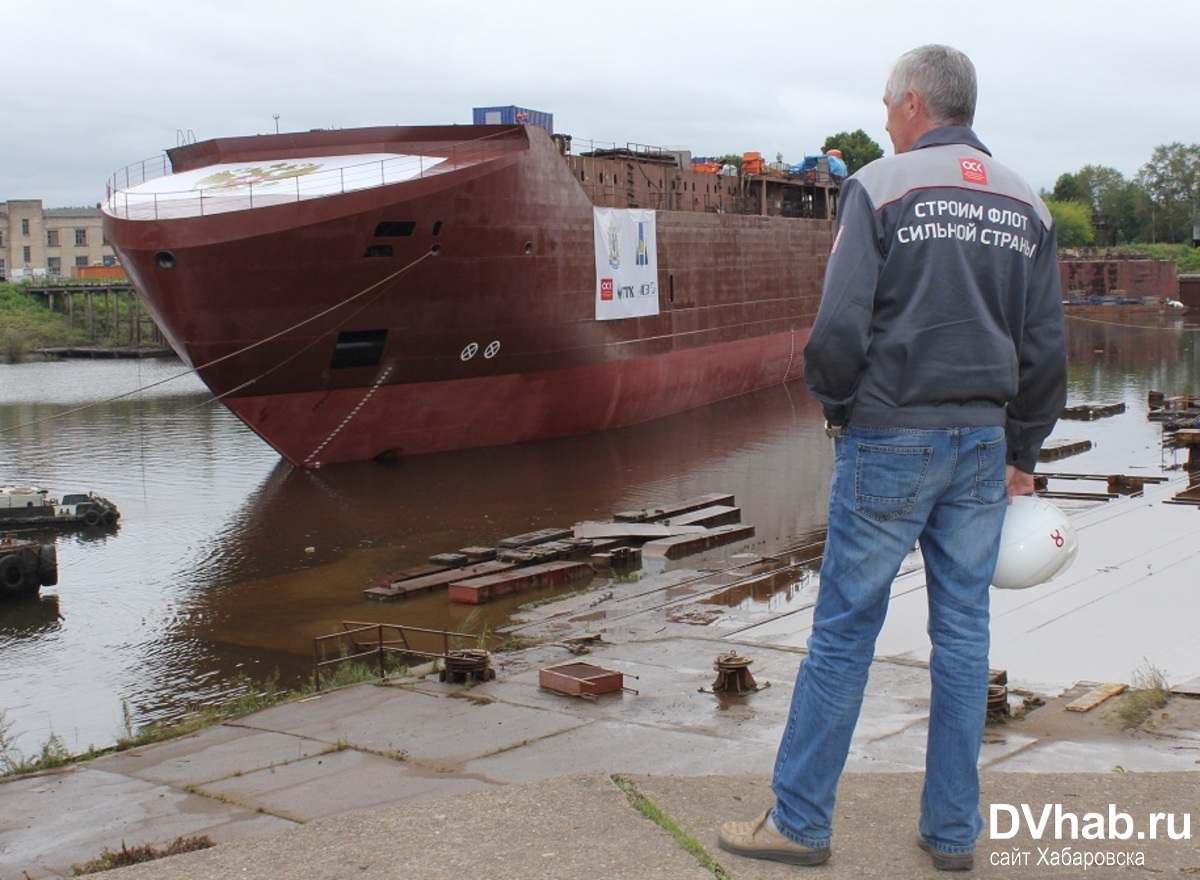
x=351, y=778
x=578, y=827
x=52, y=821
x=876, y=819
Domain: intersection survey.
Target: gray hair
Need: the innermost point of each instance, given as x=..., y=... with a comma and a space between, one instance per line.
x=943, y=77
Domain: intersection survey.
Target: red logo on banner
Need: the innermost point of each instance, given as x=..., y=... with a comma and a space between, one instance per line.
x=973, y=171
x=606, y=289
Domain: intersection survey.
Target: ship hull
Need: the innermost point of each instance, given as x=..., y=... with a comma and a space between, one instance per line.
x=393, y=421
x=458, y=309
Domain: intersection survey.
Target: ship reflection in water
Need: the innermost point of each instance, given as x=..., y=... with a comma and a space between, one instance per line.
x=228, y=562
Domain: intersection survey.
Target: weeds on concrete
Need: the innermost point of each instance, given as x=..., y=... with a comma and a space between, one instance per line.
x=54, y=753
x=655, y=814
x=251, y=697
x=351, y=672
x=1148, y=691
x=125, y=856
x=628, y=577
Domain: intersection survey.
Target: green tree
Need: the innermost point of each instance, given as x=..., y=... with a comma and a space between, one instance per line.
x=1073, y=223
x=1118, y=205
x=1114, y=202
x=1170, y=182
x=857, y=148
x=1067, y=189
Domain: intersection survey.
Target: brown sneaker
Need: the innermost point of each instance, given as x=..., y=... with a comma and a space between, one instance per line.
x=758, y=840
x=945, y=861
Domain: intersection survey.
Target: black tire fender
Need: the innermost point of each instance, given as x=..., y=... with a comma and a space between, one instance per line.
x=48, y=566
x=91, y=517
x=12, y=573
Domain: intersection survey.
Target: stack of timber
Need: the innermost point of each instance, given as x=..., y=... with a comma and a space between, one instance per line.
x=1175, y=413
x=556, y=556
x=1087, y=412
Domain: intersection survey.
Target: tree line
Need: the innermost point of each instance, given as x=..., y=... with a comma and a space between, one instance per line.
x=1097, y=205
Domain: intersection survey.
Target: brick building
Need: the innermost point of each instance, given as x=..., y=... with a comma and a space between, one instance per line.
x=40, y=242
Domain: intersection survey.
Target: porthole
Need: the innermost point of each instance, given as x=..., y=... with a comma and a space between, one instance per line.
x=436, y=249
x=528, y=248
x=164, y=259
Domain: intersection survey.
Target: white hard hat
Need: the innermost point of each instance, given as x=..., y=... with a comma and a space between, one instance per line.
x=1036, y=543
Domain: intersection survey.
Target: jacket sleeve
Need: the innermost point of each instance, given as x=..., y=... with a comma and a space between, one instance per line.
x=1042, y=362
x=836, y=354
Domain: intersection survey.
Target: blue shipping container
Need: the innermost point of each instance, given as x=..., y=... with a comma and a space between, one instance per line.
x=512, y=115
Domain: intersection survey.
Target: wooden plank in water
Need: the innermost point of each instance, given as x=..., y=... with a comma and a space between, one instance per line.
x=666, y=511
x=541, y=536
x=406, y=574
x=405, y=588
x=1055, y=451
x=633, y=531
x=478, y=554
x=717, y=515
x=617, y=557
x=1090, y=411
x=685, y=545
x=484, y=589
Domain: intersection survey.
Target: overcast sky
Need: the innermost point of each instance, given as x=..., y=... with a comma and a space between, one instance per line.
x=90, y=87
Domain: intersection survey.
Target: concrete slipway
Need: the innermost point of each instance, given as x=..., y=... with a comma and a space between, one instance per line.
x=425, y=779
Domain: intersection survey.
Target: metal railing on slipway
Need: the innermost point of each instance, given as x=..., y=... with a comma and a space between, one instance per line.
x=124, y=201
x=358, y=642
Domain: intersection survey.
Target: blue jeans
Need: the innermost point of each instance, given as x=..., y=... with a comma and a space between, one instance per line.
x=892, y=488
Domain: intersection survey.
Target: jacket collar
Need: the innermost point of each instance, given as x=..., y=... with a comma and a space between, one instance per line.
x=950, y=134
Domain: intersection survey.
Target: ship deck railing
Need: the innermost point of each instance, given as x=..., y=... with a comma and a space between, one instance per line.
x=124, y=200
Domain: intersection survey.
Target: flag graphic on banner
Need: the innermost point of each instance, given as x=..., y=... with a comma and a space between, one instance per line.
x=626, y=263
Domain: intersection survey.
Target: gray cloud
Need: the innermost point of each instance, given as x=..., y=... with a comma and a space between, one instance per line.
x=92, y=87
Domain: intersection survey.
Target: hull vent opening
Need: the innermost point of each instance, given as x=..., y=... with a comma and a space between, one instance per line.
x=395, y=229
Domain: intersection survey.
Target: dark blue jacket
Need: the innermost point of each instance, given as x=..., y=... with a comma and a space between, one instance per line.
x=942, y=306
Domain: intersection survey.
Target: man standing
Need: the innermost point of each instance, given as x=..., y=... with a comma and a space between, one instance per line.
x=938, y=357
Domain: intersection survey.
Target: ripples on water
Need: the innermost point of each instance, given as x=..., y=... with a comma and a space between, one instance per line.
x=227, y=560
x=209, y=573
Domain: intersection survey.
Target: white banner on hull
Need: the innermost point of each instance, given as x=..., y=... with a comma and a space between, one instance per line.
x=626, y=263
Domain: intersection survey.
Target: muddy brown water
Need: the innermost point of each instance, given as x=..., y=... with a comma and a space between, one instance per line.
x=227, y=562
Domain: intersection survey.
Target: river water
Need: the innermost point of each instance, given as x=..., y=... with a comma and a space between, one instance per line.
x=227, y=562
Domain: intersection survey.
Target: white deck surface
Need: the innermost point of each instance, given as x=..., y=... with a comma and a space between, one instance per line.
x=243, y=186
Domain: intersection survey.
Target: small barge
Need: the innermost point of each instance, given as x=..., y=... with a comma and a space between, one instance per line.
x=31, y=506
x=25, y=566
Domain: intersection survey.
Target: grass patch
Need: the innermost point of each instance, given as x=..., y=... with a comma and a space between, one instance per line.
x=1148, y=691
x=352, y=672
x=250, y=697
x=125, y=856
x=652, y=812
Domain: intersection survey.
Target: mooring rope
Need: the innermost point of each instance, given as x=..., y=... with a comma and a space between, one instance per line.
x=1191, y=328
x=233, y=354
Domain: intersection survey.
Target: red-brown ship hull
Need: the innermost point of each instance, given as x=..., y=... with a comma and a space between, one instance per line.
x=471, y=319
x=419, y=418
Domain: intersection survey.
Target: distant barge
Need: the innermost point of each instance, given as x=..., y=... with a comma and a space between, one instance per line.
x=31, y=506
